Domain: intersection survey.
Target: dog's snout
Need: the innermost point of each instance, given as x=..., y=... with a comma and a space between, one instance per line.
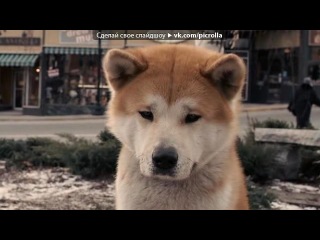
x=165, y=158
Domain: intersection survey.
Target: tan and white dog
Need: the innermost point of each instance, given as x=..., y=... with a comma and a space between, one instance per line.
x=175, y=109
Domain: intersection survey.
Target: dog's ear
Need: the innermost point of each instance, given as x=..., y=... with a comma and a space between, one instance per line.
x=120, y=66
x=227, y=73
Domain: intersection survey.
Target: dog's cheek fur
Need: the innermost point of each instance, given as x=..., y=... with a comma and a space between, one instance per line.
x=118, y=125
x=132, y=132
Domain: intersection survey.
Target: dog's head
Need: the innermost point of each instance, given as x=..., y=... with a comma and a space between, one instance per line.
x=175, y=107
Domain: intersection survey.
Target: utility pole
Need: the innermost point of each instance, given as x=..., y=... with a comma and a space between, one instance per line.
x=303, y=55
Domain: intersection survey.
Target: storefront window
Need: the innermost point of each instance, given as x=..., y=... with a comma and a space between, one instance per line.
x=278, y=65
x=314, y=72
x=315, y=53
x=72, y=79
x=20, y=77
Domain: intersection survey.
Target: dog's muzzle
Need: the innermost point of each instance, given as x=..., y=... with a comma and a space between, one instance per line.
x=164, y=160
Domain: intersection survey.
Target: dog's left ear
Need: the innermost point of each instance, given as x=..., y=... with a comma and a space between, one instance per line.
x=227, y=73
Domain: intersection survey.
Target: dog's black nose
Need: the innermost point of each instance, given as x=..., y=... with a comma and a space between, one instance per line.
x=165, y=158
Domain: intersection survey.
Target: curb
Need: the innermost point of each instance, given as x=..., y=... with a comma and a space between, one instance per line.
x=22, y=119
x=51, y=136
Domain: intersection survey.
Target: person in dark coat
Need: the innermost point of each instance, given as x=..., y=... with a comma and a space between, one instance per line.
x=302, y=103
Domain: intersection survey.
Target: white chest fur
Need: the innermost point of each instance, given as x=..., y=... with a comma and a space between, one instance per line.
x=136, y=192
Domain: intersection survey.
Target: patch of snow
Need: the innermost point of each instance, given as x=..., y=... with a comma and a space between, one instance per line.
x=298, y=188
x=53, y=189
x=284, y=206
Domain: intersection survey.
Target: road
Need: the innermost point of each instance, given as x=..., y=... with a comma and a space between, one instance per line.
x=90, y=128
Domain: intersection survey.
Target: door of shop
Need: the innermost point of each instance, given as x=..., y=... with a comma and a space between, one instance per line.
x=19, y=81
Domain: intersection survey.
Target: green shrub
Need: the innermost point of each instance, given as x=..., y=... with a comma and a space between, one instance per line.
x=309, y=168
x=10, y=148
x=105, y=136
x=42, y=152
x=39, y=141
x=15, y=152
x=258, y=160
x=93, y=161
x=271, y=123
x=275, y=123
x=259, y=198
x=46, y=152
x=49, y=155
x=86, y=158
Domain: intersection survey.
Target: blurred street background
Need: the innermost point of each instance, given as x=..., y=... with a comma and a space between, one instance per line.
x=16, y=126
x=52, y=82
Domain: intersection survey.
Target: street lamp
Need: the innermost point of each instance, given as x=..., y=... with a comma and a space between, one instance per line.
x=99, y=109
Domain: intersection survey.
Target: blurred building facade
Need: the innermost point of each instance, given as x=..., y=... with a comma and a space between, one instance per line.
x=281, y=59
x=54, y=72
x=19, y=69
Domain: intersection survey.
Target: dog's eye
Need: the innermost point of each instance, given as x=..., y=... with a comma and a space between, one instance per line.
x=147, y=115
x=190, y=118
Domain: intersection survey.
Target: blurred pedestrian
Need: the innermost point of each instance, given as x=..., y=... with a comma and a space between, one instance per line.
x=302, y=103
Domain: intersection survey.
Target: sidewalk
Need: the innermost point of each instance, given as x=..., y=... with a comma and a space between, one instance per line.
x=17, y=116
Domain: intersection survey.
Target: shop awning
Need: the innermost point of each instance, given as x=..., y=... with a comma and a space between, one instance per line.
x=72, y=50
x=18, y=60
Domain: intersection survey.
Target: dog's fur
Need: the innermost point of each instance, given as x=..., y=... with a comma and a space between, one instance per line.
x=172, y=81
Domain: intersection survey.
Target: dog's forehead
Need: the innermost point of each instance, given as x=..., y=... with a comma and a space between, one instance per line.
x=174, y=73
x=158, y=102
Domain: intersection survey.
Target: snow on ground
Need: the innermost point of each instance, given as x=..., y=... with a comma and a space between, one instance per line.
x=277, y=205
x=292, y=188
x=297, y=188
x=53, y=189
x=57, y=189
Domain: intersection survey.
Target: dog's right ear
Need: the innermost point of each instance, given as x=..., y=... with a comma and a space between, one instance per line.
x=120, y=66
